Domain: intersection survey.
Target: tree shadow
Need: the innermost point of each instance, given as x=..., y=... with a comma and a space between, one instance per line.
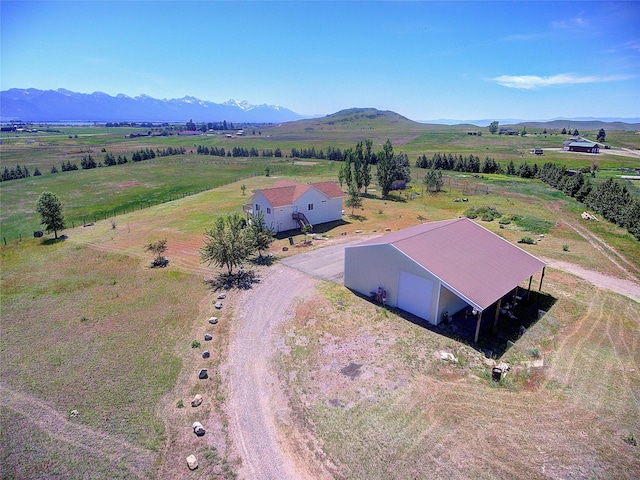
x=318, y=229
x=241, y=280
x=52, y=241
x=266, y=260
x=395, y=198
x=359, y=218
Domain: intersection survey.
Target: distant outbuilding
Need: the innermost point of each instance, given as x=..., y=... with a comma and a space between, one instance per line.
x=582, y=146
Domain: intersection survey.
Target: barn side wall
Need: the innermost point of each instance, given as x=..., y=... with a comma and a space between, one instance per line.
x=368, y=267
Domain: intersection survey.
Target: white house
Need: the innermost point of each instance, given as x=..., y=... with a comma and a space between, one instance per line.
x=439, y=267
x=289, y=205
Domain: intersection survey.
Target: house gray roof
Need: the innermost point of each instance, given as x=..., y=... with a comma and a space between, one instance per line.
x=472, y=261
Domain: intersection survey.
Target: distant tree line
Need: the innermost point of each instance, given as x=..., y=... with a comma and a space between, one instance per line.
x=14, y=173
x=471, y=164
x=459, y=163
x=356, y=171
x=68, y=167
x=215, y=151
x=611, y=199
x=88, y=162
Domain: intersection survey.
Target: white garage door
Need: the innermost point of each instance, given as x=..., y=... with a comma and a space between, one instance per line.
x=415, y=294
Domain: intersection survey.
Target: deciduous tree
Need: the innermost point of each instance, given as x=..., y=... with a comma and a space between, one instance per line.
x=158, y=248
x=354, y=200
x=386, y=168
x=263, y=235
x=50, y=209
x=228, y=244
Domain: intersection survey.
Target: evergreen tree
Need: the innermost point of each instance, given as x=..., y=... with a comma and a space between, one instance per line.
x=402, y=167
x=433, y=180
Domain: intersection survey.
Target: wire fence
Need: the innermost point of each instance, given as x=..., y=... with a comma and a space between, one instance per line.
x=134, y=206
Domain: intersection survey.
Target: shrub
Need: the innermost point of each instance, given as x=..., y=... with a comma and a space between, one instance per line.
x=488, y=214
x=532, y=224
x=195, y=344
x=180, y=404
x=565, y=248
x=527, y=240
x=630, y=438
x=504, y=221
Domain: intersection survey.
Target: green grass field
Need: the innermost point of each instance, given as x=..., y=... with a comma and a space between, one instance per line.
x=88, y=326
x=103, y=192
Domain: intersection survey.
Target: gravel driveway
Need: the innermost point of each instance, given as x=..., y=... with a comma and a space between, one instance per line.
x=259, y=422
x=326, y=263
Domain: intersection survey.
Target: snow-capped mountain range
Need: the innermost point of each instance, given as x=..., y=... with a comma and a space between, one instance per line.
x=62, y=105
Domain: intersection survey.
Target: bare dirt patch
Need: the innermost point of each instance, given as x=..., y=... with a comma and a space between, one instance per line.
x=128, y=184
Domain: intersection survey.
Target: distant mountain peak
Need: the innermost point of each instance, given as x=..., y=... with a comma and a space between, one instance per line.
x=64, y=105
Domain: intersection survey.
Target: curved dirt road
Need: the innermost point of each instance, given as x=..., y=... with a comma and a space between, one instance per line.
x=138, y=461
x=257, y=407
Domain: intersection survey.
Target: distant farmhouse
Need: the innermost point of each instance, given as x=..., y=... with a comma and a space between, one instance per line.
x=436, y=269
x=289, y=205
x=581, y=145
x=508, y=131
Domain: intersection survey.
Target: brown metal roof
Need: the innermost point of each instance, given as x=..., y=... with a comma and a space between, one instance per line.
x=285, y=192
x=331, y=189
x=472, y=261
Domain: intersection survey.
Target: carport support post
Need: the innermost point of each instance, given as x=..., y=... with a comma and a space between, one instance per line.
x=475, y=340
x=529, y=289
x=495, y=320
x=541, y=277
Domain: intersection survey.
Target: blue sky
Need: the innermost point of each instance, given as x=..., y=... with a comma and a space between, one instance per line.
x=424, y=60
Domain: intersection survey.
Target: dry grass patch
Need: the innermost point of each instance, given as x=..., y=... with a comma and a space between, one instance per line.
x=95, y=332
x=373, y=390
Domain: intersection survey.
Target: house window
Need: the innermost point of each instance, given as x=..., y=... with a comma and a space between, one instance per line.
x=268, y=211
x=257, y=207
x=310, y=206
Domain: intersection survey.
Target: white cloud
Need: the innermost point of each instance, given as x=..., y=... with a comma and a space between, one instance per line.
x=575, y=23
x=534, y=81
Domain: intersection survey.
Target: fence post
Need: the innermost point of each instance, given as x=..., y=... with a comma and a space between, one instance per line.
x=5, y=241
